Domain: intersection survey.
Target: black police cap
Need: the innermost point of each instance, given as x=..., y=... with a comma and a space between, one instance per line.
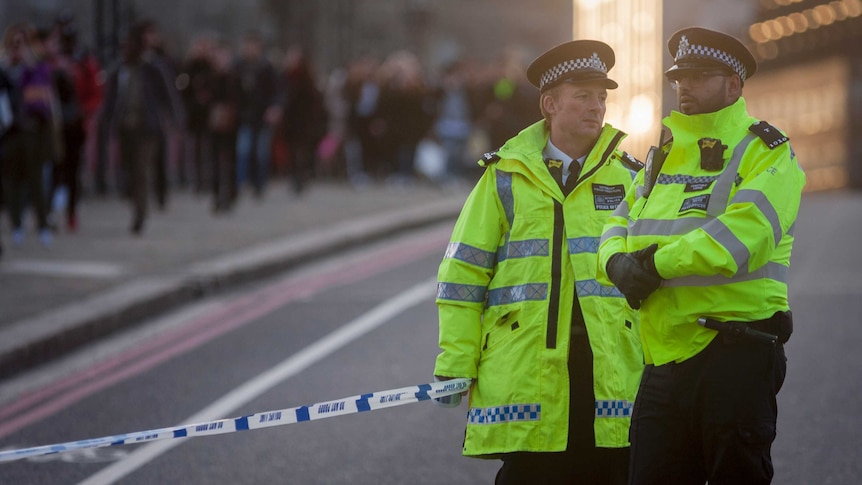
x=696, y=48
x=575, y=61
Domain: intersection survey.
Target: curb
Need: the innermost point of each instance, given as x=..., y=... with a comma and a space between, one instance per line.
x=36, y=340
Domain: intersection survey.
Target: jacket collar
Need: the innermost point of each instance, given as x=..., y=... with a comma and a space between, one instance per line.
x=716, y=122
x=523, y=154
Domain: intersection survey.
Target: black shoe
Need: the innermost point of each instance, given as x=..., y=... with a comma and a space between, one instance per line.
x=137, y=227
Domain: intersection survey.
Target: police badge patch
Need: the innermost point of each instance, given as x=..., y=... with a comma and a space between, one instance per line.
x=697, y=202
x=697, y=186
x=711, y=154
x=608, y=197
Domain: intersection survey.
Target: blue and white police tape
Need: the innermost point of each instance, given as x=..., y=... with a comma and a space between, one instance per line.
x=339, y=407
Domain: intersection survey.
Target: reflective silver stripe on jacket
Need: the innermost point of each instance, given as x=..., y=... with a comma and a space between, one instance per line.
x=622, y=210
x=459, y=292
x=765, y=207
x=724, y=236
x=518, y=293
x=586, y=244
x=523, y=249
x=720, y=195
x=771, y=270
x=663, y=227
x=504, y=191
x=614, y=231
x=594, y=288
x=507, y=199
x=470, y=254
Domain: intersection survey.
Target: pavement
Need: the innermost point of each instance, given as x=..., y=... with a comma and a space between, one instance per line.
x=101, y=278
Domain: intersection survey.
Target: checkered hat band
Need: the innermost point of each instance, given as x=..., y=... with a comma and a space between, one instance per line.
x=703, y=52
x=565, y=67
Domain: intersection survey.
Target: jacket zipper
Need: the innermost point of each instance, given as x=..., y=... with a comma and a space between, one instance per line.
x=556, y=276
x=557, y=262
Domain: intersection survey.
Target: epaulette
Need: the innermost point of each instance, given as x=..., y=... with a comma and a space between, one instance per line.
x=768, y=133
x=631, y=162
x=489, y=158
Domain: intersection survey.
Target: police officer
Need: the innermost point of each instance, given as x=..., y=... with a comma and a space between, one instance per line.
x=704, y=236
x=554, y=356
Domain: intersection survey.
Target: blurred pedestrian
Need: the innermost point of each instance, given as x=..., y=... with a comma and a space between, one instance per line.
x=9, y=106
x=197, y=86
x=30, y=141
x=512, y=105
x=362, y=149
x=63, y=192
x=454, y=122
x=330, y=150
x=259, y=111
x=304, y=116
x=222, y=126
x=406, y=112
x=170, y=138
x=136, y=102
x=79, y=107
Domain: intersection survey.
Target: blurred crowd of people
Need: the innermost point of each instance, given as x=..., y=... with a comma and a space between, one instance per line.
x=224, y=120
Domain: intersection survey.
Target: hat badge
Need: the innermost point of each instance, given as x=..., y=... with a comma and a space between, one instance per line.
x=684, y=47
x=596, y=63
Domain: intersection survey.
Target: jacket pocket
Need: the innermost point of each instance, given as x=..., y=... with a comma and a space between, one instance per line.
x=503, y=329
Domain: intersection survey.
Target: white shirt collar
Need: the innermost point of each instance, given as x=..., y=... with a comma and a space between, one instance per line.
x=551, y=151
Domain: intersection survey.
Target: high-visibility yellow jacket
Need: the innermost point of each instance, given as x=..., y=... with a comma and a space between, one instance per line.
x=724, y=235
x=506, y=289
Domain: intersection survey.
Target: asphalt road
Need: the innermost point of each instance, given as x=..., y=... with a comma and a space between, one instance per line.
x=819, y=422
x=191, y=366
x=205, y=362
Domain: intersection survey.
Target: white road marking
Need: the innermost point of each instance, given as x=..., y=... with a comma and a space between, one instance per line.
x=290, y=367
x=74, y=269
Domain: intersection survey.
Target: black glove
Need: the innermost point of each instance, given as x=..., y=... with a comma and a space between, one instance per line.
x=634, y=274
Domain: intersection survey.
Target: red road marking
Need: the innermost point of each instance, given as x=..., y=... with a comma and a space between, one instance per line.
x=74, y=387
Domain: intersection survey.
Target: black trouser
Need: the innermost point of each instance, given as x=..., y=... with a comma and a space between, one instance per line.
x=223, y=170
x=710, y=418
x=138, y=153
x=582, y=462
x=67, y=172
x=302, y=158
x=26, y=152
x=160, y=169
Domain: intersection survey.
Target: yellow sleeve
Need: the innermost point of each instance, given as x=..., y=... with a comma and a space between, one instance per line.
x=463, y=278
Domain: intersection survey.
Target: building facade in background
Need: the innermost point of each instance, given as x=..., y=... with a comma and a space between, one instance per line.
x=633, y=28
x=333, y=31
x=810, y=83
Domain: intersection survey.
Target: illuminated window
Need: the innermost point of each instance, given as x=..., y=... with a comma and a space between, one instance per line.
x=633, y=28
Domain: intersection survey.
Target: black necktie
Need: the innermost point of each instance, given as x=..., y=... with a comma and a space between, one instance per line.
x=574, y=173
x=556, y=169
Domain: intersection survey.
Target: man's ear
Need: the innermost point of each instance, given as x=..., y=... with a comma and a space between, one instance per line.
x=734, y=87
x=549, y=104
